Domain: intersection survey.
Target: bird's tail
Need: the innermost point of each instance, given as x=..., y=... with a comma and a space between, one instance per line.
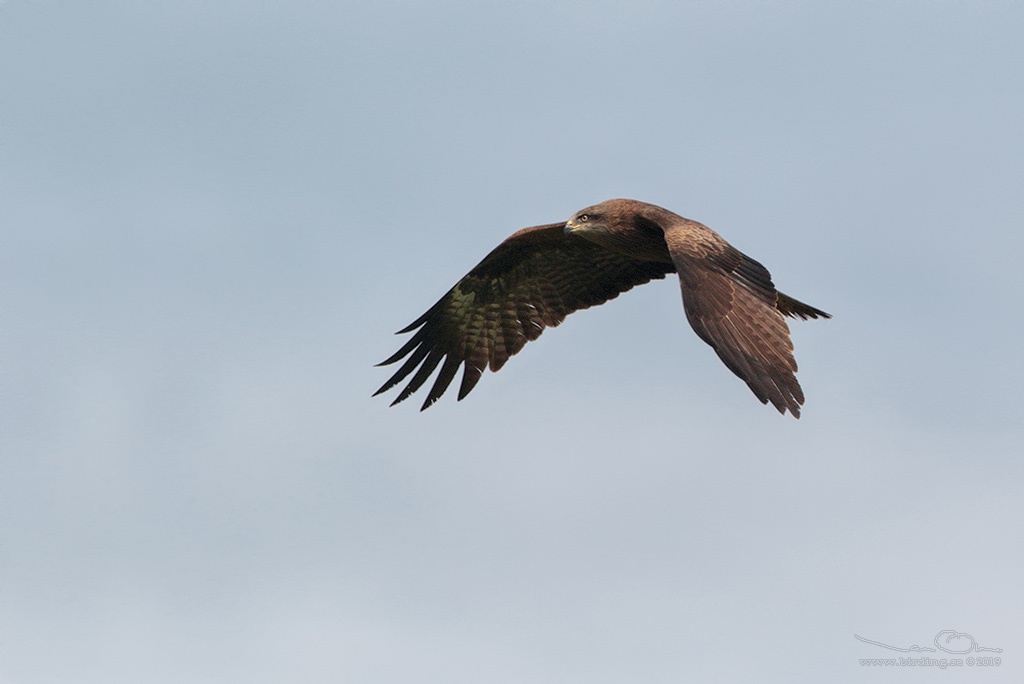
x=792, y=308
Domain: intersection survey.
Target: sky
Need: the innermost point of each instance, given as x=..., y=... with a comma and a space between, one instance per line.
x=214, y=215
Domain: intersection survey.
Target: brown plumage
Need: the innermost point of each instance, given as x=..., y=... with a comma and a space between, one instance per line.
x=540, y=275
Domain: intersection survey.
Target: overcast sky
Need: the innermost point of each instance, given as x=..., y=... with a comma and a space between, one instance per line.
x=214, y=215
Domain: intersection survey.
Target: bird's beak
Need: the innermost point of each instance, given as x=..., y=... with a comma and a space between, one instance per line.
x=570, y=227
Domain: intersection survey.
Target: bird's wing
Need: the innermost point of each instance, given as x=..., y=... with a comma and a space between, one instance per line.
x=732, y=305
x=532, y=280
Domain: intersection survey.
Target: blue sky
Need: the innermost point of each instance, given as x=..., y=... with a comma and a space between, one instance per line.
x=214, y=215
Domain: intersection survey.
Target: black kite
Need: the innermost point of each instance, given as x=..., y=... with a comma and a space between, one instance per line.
x=540, y=275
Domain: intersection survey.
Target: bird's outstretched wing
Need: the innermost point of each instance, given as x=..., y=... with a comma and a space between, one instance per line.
x=733, y=306
x=532, y=280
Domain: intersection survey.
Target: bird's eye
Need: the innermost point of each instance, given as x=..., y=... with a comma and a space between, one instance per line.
x=584, y=218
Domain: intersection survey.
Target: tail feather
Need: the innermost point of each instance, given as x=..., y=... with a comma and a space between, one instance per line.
x=794, y=309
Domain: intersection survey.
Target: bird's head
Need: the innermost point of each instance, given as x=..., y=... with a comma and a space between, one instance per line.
x=626, y=226
x=611, y=214
x=590, y=220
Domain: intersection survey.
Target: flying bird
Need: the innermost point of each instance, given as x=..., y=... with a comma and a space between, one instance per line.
x=540, y=275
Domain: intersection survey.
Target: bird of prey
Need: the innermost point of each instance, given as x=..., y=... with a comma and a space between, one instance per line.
x=539, y=275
